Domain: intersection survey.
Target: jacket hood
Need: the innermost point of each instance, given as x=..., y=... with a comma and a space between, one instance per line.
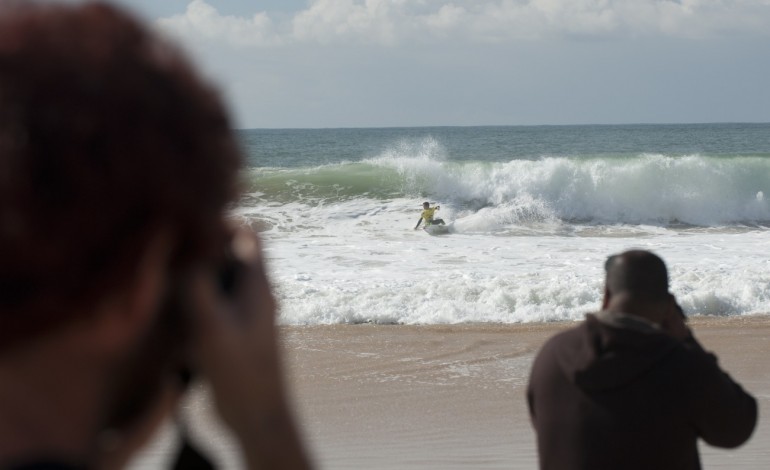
x=612, y=349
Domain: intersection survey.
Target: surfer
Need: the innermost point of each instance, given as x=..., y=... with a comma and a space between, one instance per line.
x=427, y=215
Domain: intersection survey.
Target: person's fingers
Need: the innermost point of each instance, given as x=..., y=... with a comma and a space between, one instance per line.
x=245, y=246
x=673, y=322
x=254, y=298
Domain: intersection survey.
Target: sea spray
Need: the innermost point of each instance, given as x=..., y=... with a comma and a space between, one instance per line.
x=645, y=189
x=532, y=212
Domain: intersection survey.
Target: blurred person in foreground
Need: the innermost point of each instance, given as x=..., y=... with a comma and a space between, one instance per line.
x=117, y=164
x=630, y=387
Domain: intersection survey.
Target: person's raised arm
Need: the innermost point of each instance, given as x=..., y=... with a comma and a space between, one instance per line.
x=238, y=353
x=723, y=414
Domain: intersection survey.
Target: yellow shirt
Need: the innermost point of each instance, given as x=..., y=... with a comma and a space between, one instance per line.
x=427, y=215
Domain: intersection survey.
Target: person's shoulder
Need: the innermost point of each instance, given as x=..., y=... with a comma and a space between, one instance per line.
x=571, y=334
x=562, y=352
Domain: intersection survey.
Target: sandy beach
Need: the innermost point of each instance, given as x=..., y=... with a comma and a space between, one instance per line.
x=388, y=396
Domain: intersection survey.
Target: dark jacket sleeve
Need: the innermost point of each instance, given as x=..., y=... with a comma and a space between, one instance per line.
x=723, y=414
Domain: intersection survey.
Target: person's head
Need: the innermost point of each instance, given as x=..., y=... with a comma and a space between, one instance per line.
x=636, y=281
x=107, y=138
x=426, y=205
x=117, y=163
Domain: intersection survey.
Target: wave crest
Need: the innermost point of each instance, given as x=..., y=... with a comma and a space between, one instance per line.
x=647, y=189
x=650, y=189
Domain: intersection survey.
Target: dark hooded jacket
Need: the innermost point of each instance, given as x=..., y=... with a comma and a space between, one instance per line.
x=618, y=393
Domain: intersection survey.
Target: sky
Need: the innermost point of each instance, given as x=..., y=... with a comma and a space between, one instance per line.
x=400, y=63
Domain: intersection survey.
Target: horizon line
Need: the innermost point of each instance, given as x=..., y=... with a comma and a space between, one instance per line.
x=505, y=125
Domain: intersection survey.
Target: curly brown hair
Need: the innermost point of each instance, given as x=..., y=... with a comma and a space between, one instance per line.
x=107, y=135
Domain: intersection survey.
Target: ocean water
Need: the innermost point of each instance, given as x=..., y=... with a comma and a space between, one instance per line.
x=532, y=211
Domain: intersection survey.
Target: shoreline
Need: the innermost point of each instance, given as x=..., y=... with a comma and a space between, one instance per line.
x=453, y=396
x=444, y=396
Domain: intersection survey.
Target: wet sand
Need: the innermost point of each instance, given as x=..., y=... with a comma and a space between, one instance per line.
x=379, y=396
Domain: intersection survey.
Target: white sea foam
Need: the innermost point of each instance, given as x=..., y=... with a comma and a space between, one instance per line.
x=361, y=261
x=527, y=240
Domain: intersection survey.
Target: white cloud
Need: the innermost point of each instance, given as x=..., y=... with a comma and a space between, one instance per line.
x=201, y=20
x=448, y=17
x=328, y=20
x=390, y=22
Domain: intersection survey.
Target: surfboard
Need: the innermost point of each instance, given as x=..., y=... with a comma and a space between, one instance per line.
x=436, y=229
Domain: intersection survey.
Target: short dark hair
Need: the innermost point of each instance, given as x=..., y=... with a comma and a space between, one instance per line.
x=107, y=136
x=639, y=273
